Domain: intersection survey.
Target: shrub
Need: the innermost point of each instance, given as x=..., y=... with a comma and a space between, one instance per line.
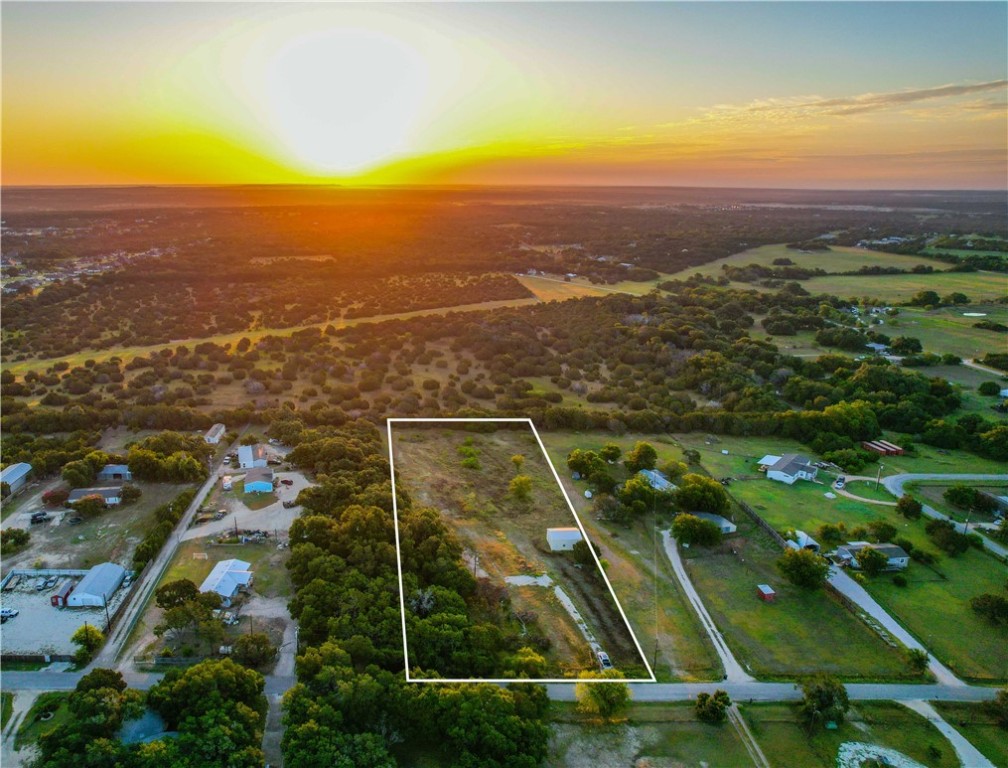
x=899, y=580
x=13, y=539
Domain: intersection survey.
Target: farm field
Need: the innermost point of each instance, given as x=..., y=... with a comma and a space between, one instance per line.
x=787, y=744
x=946, y=330
x=508, y=534
x=684, y=651
x=979, y=286
x=934, y=599
x=652, y=734
x=974, y=722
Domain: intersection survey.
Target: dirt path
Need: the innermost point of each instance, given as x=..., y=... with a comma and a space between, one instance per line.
x=22, y=703
x=748, y=740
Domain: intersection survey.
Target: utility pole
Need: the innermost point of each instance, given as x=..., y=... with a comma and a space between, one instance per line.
x=108, y=621
x=878, y=477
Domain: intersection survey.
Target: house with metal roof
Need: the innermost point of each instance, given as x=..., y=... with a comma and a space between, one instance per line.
x=16, y=476
x=258, y=480
x=562, y=539
x=214, y=434
x=227, y=578
x=112, y=495
x=250, y=456
x=657, y=480
x=896, y=557
x=725, y=525
x=791, y=467
x=97, y=586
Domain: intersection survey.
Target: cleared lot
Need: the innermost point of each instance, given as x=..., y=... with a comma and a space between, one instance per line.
x=273, y=517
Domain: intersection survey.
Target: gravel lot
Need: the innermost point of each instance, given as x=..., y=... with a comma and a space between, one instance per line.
x=40, y=628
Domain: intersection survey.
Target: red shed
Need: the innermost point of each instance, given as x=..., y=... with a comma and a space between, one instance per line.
x=765, y=593
x=59, y=599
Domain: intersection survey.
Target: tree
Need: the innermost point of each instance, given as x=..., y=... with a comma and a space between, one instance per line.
x=175, y=593
x=90, y=506
x=917, y=660
x=13, y=539
x=959, y=495
x=999, y=708
x=905, y=345
x=56, y=497
x=712, y=708
x=518, y=460
x=871, y=561
x=825, y=701
x=78, y=474
x=992, y=608
x=254, y=650
x=956, y=298
x=88, y=639
x=882, y=531
x=909, y=507
x=642, y=456
x=606, y=699
x=584, y=462
x=130, y=493
x=925, y=299
x=698, y=493
x=690, y=529
x=989, y=388
x=803, y=568
x=582, y=554
x=691, y=455
x=520, y=487
x=610, y=452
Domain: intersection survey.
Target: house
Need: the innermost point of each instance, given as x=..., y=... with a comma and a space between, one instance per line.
x=657, y=480
x=214, y=434
x=562, y=539
x=803, y=541
x=897, y=558
x=59, y=597
x=878, y=349
x=112, y=472
x=791, y=467
x=16, y=476
x=250, y=456
x=765, y=593
x=227, y=578
x=112, y=495
x=97, y=586
x=725, y=525
x=258, y=480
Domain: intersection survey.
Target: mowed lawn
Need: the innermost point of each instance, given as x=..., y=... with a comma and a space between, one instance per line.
x=652, y=734
x=934, y=605
x=684, y=650
x=975, y=722
x=947, y=330
x=786, y=744
x=267, y=563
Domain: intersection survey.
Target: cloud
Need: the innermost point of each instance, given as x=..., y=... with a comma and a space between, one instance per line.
x=797, y=108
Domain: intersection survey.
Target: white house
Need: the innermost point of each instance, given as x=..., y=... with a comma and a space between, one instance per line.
x=250, y=456
x=16, y=476
x=111, y=495
x=227, y=578
x=111, y=472
x=725, y=525
x=791, y=467
x=214, y=434
x=897, y=559
x=657, y=480
x=562, y=539
x=97, y=586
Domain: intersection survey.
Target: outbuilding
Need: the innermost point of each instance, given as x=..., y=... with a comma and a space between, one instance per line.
x=227, y=578
x=258, y=480
x=97, y=586
x=765, y=593
x=725, y=525
x=112, y=472
x=562, y=539
x=657, y=480
x=214, y=434
x=16, y=476
x=59, y=598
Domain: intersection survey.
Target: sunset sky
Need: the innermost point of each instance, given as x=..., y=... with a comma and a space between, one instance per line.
x=804, y=95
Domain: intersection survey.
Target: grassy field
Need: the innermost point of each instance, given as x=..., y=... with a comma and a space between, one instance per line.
x=932, y=494
x=946, y=330
x=684, y=651
x=6, y=707
x=934, y=600
x=979, y=286
x=267, y=563
x=974, y=722
x=787, y=745
x=31, y=727
x=652, y=734
x=867, y=489
x=508, y=533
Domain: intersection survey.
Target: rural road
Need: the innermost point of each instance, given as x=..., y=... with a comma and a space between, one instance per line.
x=894, y=484
x=968, y=754
x=733, y=670
x=851, y=589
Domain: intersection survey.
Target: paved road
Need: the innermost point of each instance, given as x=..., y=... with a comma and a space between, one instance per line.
x=967, y=753
x=108, y=655
x=894, y=484
x=847, y=586
x=733, y=670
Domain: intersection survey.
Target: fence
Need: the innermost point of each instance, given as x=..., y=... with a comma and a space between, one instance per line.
x=755, y=517
x=150, y=662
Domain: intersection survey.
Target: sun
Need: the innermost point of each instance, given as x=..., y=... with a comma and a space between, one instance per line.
x=341, y=101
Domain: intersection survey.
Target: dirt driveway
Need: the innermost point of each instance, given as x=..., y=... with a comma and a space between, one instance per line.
x=273, y=517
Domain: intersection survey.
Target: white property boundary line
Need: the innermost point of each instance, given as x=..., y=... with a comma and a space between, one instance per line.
x=402, y=598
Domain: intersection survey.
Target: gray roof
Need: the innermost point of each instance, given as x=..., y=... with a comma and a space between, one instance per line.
x=889, y=550
x=226, y=577
x=249, y=453
x=114, y=469
x=14, y=472
x=102, y=580
x=105, y=493
x=792, y=463
x=259, y=473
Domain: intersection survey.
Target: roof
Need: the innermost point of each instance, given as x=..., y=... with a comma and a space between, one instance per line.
x=216, y=430
x=889, y=550
x=564, y=530
x=250, y=453
x=804, y=540
x=792, y=464
x=768, y=460
x=766, y=589
x=114, y=469
x=101, y=580
x=657, y=480
x=105, y=493
x=259, y=473
x=15, y=472
x=719, y=520
x=226, y=577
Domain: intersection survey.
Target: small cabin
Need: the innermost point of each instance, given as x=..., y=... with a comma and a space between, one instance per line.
x=562, y=539
x=765, y=593
x=59, y=598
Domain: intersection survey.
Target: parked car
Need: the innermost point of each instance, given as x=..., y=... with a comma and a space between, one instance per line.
x=227, y=459
x=289, y=504
x=39, y=517
x=285, y=481
x=8, y=613
x=840, y=481
x=603, y=660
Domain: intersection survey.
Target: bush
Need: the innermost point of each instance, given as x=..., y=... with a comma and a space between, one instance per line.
x=13, y=539
x=254, y=650
x=803, y=568
x=899, y=580
x=909, y=507
x=712, y=708
x=989, y=388
x=690, y=529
